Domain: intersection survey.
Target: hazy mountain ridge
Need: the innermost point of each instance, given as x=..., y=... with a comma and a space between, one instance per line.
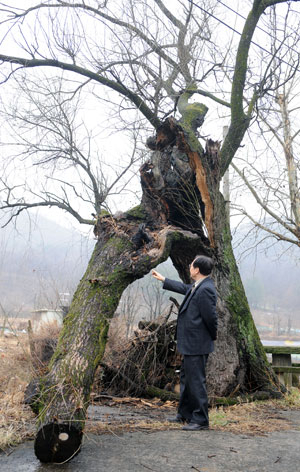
x=36, y=265
x=46, y=259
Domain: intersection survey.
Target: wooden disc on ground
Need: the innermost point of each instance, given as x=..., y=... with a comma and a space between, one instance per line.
x=57, y=443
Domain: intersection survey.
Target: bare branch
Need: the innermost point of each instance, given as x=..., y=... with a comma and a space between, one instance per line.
x=117, y=86
x=261, y=203
x=278, y=236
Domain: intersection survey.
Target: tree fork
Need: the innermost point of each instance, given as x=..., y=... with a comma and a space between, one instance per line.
x=183, y=214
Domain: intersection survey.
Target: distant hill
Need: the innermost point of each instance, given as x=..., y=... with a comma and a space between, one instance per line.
x=42, y=260
x=39, y=261
x=270, y=272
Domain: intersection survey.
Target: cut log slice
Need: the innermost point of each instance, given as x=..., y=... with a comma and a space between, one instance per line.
x=57, y=442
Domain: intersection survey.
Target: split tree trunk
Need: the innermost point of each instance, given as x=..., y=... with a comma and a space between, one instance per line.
x=185, y=181
x=62, y=396
x=184, y=215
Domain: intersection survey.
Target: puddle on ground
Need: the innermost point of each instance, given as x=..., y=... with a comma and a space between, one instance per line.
x=23, y=459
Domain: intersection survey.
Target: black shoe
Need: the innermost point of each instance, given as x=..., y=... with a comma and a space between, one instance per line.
x=195, y=427
x=177, y=419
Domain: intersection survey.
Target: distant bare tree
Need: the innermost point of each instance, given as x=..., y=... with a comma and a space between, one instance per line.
x=49, y=133
x=273, y=181
x=155, y=300
x=129, y=307
x=4, y=318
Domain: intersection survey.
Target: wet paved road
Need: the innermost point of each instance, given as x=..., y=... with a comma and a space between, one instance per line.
x=174, y=451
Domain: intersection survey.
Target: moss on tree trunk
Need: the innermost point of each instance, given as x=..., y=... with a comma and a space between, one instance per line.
x=63, y=394
x=65, y=390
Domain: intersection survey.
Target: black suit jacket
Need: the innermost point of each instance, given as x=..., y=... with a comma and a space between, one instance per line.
x=197, y=317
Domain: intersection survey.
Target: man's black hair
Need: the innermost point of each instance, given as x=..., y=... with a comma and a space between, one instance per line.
x=204, y=264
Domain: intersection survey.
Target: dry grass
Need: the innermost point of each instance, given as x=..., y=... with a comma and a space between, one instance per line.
x=95, y=427
x=17, y=422
x=257, y=418
x=43, y=344
x=17, y=368
x=248, y=418
x=16, y=419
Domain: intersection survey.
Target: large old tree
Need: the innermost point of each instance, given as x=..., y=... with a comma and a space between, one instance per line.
x=156, y=57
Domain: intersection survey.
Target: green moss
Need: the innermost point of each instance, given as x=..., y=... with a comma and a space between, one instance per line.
x=192, y=115
x=192, y=112
x=193, y=141
x=103, y=333
x=42, y=403
x=104, y=213
x=247, y=336
x=118, y=244
x=137, y=212
x=114, y=247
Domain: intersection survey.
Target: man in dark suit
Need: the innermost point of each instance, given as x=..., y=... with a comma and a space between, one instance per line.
x=196, y=331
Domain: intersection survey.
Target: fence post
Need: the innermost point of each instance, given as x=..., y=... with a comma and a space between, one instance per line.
x=286, y=361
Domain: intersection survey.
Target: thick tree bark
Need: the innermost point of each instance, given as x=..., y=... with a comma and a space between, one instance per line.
x=183, y=214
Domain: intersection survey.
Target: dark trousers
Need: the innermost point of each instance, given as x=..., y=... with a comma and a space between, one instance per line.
x=193, y=403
